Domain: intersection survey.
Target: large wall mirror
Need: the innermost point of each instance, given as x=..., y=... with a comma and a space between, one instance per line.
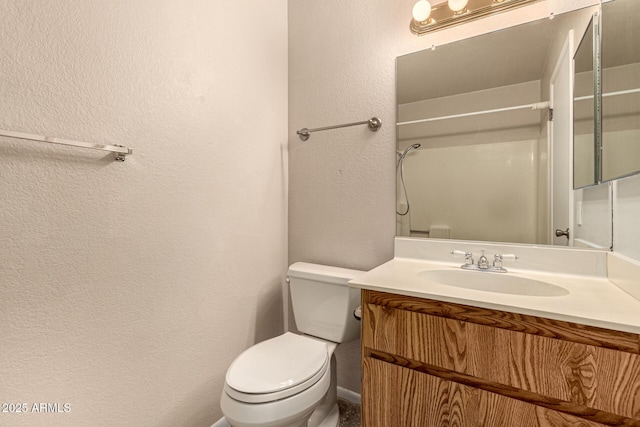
x=477, y=155
x=620, y=52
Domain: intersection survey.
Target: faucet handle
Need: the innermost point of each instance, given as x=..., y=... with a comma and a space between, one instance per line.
x=498, y=258
x=468, y=256
x=509, y=257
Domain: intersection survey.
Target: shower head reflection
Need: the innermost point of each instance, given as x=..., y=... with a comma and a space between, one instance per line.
x=409, y=148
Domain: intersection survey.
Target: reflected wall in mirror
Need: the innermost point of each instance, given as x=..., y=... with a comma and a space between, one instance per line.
x=620, y=89
x=474, y=137
x=584, y=111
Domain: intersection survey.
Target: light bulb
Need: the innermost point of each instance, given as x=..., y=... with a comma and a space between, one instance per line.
x=458, y=5
x=421, y=10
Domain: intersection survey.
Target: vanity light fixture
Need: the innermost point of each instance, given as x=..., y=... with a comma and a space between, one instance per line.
x=454, y=12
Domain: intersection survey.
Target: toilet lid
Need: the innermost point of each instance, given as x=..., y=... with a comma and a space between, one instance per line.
x=277, y=364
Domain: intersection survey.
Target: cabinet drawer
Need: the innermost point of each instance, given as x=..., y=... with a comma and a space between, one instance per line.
x=397, y=397
x=589, y=376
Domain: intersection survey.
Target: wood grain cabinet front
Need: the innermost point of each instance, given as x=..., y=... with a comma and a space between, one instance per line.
x=432, y=363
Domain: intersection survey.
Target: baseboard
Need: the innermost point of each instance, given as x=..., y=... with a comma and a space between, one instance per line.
x=222, y=422
x=348, y=395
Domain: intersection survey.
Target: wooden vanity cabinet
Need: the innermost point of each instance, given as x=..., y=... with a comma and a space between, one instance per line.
x=431, y=363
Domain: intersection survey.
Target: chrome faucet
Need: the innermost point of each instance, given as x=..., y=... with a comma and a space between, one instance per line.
x=483, y=262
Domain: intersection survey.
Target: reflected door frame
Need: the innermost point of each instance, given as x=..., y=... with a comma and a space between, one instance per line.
x=561, y=145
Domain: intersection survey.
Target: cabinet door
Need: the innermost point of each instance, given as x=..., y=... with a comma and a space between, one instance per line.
x=587, y=376
x=393, y=396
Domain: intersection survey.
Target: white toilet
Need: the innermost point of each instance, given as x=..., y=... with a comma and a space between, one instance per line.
x=290, y=380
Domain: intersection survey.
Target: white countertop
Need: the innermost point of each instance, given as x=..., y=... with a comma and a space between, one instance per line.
x=592, y=300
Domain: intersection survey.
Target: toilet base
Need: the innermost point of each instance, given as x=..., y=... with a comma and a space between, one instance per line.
x=327, y=413
x=332, y=419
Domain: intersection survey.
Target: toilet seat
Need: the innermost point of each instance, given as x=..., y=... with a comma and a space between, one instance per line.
x=277, y=368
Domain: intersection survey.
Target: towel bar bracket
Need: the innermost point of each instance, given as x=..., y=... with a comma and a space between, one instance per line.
x=121, y=157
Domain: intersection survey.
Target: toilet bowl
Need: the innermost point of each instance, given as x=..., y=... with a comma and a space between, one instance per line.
x=290, y=380
x=277, y=382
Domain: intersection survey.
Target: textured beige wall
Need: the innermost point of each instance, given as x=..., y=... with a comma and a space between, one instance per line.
x=342, y=182
x=128, y=288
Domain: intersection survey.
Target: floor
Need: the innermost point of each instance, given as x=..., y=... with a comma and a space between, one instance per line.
x=349, y=413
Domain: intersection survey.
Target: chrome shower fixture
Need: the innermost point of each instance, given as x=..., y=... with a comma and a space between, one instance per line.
x=400, y=165
x=409, y=148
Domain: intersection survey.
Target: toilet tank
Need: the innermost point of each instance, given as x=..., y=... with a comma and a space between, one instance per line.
x=322, y=301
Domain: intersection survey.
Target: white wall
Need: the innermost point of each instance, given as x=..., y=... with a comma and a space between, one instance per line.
x=128, y=288
x=342, y=182
x=620, y=153
x=626, y=227
x=592, y=217
x=488, y=162
x=498, y=180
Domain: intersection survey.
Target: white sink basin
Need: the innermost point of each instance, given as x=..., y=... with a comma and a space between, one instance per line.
x=493, y=282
